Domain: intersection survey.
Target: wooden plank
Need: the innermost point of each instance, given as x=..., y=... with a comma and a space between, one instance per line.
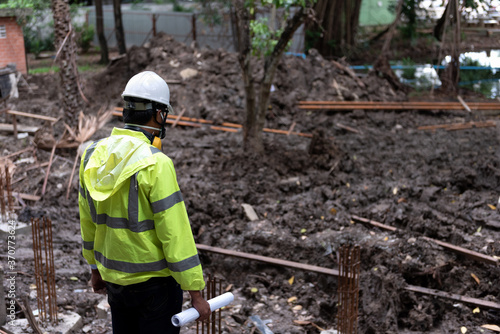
x=458, y=126
x=20, y=128
x=27, y=197
x=270, y=260
x=462, y=102
x=465, y=299
x=291, y=128
x=25, y=114
x=17, y=153
x=221, y=128
x=178, y=118
x=228, y=127
x=471, y=125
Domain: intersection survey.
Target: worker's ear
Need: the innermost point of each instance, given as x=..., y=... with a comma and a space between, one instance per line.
x=159, y=115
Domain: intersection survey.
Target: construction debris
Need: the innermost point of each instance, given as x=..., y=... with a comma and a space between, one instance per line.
x=260, y=324
x=250, y=212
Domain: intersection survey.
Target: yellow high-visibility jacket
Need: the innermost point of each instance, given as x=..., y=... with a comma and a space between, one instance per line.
x=133, y=220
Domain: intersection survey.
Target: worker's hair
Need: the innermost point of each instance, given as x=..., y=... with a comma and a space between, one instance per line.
x=140, y=117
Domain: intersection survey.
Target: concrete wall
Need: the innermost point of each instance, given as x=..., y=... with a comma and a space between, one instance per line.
x=12, y=44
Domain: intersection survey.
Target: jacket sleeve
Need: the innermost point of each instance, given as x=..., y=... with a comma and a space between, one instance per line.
x=172, y=224
x=87, y=226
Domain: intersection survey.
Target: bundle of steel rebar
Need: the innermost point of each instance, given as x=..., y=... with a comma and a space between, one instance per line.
x=348, y=289
x=6, y=202
x=44, y=269
x=213, y=289
x=8, y=186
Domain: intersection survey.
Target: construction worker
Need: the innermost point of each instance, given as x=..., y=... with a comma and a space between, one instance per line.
x=136, y=233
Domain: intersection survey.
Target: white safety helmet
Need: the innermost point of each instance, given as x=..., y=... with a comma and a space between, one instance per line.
x=150, y=86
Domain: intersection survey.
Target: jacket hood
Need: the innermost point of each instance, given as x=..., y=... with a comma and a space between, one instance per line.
x=114, y=161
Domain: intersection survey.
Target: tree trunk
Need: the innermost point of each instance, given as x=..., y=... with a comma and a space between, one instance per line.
x=382, y=65
x=270, y=65
x=440, y=26
x=256, y=109
x=120, y=35
x=240, y=18
x=336, y=23
x=65, y=44
x=99, y=22
x=451, y=75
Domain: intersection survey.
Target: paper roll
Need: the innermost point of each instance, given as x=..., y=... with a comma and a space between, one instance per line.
x=189, y=315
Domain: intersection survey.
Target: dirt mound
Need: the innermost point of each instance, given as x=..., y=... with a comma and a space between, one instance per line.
x=207, y=83
x=442, y=185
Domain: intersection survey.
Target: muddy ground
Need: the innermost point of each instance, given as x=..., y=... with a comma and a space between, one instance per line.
x=438, y=184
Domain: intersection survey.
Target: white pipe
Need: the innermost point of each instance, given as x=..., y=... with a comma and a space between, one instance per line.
x=191, y=314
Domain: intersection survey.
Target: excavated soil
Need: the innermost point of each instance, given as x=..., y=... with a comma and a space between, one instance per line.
x=307, y=193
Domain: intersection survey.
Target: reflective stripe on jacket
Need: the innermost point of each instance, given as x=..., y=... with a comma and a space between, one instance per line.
x=133, y=220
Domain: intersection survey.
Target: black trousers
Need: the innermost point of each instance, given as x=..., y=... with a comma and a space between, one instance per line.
x=145, y=308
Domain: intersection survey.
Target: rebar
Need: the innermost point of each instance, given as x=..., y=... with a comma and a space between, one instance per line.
x=348, y=289
x=43, y=249
x=2, y=197
x=213, y=288
x=8, y=186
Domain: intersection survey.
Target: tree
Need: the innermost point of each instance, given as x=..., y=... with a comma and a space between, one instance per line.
x=120, y=35
x=64, y=41
x=451, y=75
x=100, y=32
x=333, y=32
x=255, y=37
x=381, y=65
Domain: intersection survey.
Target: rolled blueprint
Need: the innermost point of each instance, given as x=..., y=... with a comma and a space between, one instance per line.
x=185, y=317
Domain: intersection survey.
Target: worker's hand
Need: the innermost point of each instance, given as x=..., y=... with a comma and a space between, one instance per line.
x=201, y=305
x=97, y=283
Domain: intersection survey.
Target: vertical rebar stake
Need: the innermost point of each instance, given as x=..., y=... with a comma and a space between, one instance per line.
x=214, y=325
x=348, y=289
x=2, y=197
x=209, y=296
x=8, y=186
x=43, y=250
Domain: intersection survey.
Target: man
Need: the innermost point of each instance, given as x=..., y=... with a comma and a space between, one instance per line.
x=135, y=229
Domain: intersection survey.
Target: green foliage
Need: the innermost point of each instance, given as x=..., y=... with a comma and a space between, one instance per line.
x=409, y=69
x=480, y=80
x=263, y=38
x=35, y=5
x=84, y=36
x=34, y=44
x=312, y=37
x=409, y=14
x=212, y=12
x=81, y=68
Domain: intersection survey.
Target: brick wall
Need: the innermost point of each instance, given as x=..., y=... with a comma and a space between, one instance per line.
x=12, y=47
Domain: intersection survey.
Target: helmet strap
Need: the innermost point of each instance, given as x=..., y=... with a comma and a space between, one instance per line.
x=143, y=126
x=163, y=115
